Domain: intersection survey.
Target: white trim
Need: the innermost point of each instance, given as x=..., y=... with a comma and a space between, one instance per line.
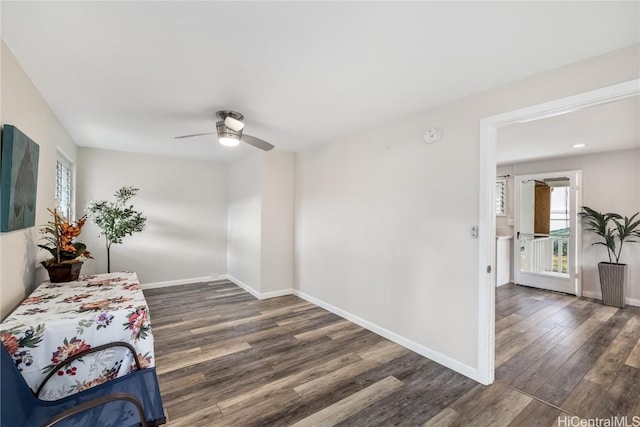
x=65, y=156
x=258, y=295
x=275, y=294
x=487, y=236
x=597, y=295
x=242, y=285
x=486, y=253
x=392, y=336
x=168, y=283
x=568, y=104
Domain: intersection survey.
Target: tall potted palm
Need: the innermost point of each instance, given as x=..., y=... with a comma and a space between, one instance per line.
x=614, y=229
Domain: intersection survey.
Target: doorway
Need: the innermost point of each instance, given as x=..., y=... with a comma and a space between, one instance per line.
x=487, y=222
x=547, y=247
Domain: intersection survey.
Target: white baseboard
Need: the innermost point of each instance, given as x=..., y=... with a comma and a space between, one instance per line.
x=255, y=293
x=597, y=295
x=219, y=277
x=178, y=282
x=242, y=285
x=438, y=357
x=275, y=294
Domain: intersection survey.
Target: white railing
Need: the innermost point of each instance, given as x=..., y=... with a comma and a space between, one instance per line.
x=545, y=255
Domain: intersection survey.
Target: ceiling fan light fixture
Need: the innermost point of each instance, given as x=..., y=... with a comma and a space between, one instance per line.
x=233, y=124
x=226, y=136
x=229, y=141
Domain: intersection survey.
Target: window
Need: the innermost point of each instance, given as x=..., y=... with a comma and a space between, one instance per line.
x=501, y=196
x=560, y=212
x=64, y=187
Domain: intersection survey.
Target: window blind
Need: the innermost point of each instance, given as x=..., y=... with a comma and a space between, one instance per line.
x=501, y=195
x=63, y=190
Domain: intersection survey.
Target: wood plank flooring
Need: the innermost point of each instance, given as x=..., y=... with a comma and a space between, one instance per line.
x=575, y=354
x=227, y=359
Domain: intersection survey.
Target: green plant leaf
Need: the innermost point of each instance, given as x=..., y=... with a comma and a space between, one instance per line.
x=615, y=236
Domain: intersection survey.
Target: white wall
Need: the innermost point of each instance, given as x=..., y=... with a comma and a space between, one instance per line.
x=23, y=106
x=260, y=204
x=244, y=204
x=184, y=201
x=277, y=221
x=610, y=183
x=383, y=221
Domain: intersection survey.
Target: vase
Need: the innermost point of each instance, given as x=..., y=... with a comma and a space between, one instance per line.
x=612, y=283
x=66, y=272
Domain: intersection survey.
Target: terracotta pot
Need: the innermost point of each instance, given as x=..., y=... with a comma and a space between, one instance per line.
x=63, y=272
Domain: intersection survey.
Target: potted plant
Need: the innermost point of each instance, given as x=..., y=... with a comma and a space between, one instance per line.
x=116, y=219
x=614, y=229
x=64, y=264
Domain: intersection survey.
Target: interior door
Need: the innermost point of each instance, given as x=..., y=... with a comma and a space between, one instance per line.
x=546, y=249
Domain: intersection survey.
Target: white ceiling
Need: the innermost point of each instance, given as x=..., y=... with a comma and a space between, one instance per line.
x=605, y=127
x=132, y=75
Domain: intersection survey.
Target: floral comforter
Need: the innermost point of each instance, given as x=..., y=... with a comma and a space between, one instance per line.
x=59, y=320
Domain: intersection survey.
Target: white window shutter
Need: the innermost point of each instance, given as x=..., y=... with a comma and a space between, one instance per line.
x=501, y=197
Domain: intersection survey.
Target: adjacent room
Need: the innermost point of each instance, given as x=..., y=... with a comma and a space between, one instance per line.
x=320, y=213
x=574, y=352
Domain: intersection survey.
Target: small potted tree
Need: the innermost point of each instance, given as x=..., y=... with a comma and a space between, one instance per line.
x=116, y=219
x=614, y=229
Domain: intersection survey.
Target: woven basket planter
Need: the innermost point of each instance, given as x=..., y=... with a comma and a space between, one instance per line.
x=612, y=283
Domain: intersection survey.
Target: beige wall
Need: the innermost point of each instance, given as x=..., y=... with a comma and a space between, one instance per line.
x=23, y=106
x=260, y=204
x=277, y=221
x=383, y=220
x=244, y=205
x=184, y=201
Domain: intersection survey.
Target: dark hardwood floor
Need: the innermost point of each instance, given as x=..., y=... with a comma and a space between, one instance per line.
x=227, y=359
x=576, y=354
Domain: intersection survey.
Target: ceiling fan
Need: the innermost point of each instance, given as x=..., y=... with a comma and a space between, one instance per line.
x=229, y=129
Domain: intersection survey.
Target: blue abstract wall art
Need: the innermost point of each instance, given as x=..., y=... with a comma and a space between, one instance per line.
x=18, y=180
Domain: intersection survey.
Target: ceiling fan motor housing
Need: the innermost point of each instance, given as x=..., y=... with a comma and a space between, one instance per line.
x=225, y=132
x=223, y=114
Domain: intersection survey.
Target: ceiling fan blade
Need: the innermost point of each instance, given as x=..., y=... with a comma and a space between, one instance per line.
x=256, y=142
x=192, y=135
x=233, y=124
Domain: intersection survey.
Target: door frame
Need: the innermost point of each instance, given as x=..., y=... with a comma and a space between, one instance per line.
x=487, y=220
x=575, y=247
